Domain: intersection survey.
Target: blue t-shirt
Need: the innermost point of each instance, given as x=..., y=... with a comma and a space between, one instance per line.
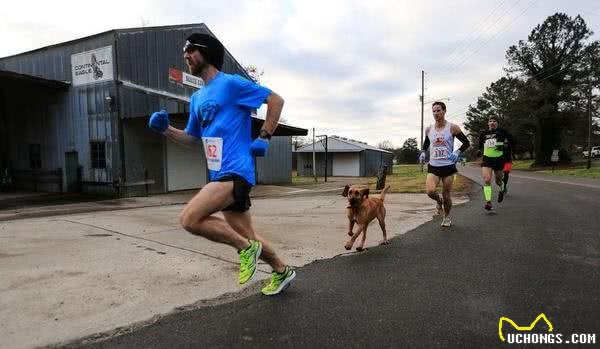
x=220, y=115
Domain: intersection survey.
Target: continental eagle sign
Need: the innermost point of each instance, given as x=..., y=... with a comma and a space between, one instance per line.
x=91, y=67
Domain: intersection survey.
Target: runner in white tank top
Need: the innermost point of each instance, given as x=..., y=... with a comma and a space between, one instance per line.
x=442, y=144
x=439, y=144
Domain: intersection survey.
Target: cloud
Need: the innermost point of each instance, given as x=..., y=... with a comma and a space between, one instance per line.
x=350, y=68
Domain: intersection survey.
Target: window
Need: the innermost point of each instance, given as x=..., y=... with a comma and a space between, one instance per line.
x=35, y=156
x=98, y=154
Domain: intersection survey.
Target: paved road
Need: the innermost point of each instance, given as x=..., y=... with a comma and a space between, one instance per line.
x=537, y=252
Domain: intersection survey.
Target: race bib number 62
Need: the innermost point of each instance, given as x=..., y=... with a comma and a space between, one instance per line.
x=213, y=149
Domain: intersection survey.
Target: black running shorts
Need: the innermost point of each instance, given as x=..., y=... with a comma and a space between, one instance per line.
x=241, y=193
x=442, y=171
x=496, y=164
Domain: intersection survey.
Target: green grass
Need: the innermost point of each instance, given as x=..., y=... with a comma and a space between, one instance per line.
x=405, y=179
x=593, y=172
x=575, y=169
x=410, y=179
x=304, y=179
x=523, y=165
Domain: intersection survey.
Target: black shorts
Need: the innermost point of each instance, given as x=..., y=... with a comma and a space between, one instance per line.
x=442, y=171
x=496, y=164
x=241, y=193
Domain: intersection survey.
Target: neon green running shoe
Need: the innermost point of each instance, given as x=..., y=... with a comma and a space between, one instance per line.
x=249, y=260
x=279, y=282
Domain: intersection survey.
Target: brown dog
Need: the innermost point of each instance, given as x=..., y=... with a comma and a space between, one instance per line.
x=362, y=210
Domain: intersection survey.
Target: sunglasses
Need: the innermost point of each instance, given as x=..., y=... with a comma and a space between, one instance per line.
x=189, y=46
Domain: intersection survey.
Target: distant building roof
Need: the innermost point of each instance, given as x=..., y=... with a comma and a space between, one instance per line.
x=337, y=144
x=281, y=130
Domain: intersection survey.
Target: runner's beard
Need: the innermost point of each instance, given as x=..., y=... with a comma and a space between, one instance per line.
x=198, y=68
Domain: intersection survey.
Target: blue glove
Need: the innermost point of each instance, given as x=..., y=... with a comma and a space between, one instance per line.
x=159, y=121
x=454, y=156
x=422, y=157
x=259, y=147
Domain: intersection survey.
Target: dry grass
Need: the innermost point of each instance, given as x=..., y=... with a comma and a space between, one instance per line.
x=410, y=179
x=405, y=179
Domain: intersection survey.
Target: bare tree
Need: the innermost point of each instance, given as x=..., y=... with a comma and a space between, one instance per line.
x=299, y=141
x=254, y=72
x=386, y=145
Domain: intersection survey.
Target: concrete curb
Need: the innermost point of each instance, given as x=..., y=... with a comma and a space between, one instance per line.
x=56, y=210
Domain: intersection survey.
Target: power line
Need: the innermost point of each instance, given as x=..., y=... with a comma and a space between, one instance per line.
x=493, y=36
x=532, y=80
x=465, y=43
x=540, y=74
x=466, y=57
x=462, y=50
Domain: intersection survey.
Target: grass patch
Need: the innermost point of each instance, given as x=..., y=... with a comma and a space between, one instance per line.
x=303, y=179
x=575, y=169
x=523, y=165
x=405, y=179
x=410, y=179
x=593, y=172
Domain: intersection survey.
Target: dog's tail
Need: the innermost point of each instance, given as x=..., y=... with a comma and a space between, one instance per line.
x=385, y=190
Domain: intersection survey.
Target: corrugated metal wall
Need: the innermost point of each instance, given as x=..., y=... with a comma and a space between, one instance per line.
x=372, y=161
x=305, y=161
x=304, y=164
x=29, y=121
x=75, y=117
x=144, y=156
x=144, y=58
x=72, y=118
x=276, y=166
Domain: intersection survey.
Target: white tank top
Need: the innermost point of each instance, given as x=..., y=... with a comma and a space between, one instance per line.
x=441, y=145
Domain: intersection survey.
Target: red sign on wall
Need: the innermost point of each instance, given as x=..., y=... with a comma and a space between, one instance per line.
x=175, y=75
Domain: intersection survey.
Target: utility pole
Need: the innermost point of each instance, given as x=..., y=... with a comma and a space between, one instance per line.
x=589, y=159
x=422, y=103
x=326, y=158
x=422, y=108
x=314, y=157
x=321, y=140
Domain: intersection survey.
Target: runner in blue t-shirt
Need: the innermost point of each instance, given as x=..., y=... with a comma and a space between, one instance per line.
x=220, y=119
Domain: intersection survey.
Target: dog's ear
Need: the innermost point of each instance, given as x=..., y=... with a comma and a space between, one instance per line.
x=346, y=189
x=364, y=193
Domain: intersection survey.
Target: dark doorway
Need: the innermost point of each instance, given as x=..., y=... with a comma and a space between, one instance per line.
x=72, y=171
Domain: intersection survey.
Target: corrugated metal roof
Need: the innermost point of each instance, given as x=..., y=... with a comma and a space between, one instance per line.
x=282, y=129
x=191, y=26
x=123, y=30
x=144, y=85
x=12, y=76
x=336, y=144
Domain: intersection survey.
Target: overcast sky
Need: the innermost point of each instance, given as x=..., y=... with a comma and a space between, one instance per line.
x=349, y=68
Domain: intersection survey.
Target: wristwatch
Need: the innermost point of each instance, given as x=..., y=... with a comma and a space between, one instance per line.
x=264, y=134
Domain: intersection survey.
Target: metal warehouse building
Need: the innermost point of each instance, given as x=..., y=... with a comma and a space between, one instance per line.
x=73, y=116
x=345, y=157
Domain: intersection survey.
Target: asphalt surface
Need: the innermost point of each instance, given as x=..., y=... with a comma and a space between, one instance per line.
x=537, y=252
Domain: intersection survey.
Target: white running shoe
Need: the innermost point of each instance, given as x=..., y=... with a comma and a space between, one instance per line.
x=446, y=222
